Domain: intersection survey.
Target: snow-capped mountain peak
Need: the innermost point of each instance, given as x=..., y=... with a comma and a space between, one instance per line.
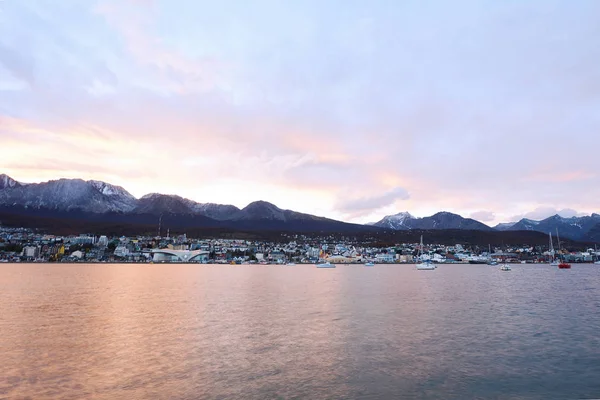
x=396, y=221
x=8, y=182
x=401, y=216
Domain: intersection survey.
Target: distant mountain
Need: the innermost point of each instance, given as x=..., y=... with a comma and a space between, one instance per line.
x=260, y=210
x=156, y=203
x=67, y=194
x=524, y=225
x=264, y=215
x=446, y=220
x=576, y=228
x=441, y=220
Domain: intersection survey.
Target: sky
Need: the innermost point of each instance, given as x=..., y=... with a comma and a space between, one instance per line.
x=347, y=109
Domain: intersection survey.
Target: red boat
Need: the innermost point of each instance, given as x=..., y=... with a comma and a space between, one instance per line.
x=564, y=265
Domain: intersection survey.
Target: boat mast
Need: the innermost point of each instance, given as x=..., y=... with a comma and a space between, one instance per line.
x=551, y=248
x=558, y=240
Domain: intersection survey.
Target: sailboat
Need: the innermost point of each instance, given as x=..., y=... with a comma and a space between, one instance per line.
x=491, y=261
x=553, y=261
x=561, y=264
x=426, y=265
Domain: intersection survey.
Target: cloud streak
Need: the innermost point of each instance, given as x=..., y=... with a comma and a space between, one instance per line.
x=359, y=206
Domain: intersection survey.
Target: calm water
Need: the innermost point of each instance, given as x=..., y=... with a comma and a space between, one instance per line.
x=266, y=332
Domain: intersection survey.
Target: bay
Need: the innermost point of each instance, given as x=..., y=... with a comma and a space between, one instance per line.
x=176, y=331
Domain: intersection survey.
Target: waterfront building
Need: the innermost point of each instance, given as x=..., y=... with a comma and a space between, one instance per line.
x=170, y=255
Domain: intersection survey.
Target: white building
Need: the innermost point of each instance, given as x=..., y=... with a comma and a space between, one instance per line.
x=31, y=251
x=103, y=241
x=169, y=255
x=121, y=251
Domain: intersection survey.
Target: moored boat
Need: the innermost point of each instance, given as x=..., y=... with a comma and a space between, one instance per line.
x=426, y=265
x=325, y=264
x=505, y=267
x=369, y=264
x=561, y=263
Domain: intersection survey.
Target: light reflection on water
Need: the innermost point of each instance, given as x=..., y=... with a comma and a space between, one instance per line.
x=191, y=331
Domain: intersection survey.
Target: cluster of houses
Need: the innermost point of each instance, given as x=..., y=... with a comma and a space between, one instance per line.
x=23, y=245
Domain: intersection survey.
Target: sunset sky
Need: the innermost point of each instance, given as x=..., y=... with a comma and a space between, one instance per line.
x=347, y=109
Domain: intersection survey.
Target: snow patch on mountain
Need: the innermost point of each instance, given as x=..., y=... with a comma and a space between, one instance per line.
x=395, y=222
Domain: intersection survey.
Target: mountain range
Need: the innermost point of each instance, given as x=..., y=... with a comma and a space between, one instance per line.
x=96, y=201
x=578, y=228
x=440, y=220
x=585, y=228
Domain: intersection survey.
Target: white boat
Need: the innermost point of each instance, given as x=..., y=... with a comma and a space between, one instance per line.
x=290, y=264
x=504, y=267
x=325, y=264
x=426, y=265
x=597, y=262
x=369, y=264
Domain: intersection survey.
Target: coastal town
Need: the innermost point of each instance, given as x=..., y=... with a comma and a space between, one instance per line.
x=26, y=245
